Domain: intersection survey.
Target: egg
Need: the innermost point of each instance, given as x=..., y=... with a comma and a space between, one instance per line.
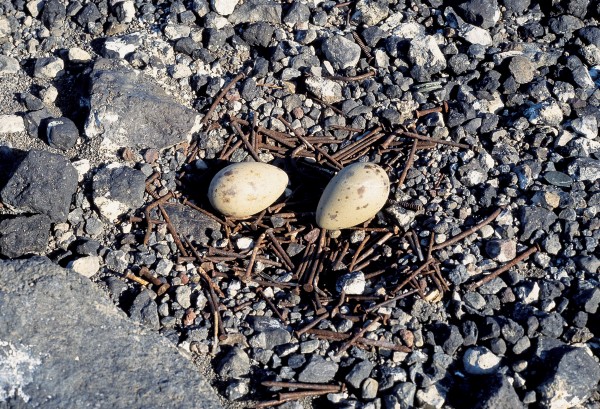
x=243, y=189
x=353, y=196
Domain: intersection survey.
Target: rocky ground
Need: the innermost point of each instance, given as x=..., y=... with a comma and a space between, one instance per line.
x=475, y=286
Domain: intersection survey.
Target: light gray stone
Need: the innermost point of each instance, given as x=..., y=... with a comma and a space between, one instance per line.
x=480, y=361
x=11, y=124
x=8, y=65
x=224, y=7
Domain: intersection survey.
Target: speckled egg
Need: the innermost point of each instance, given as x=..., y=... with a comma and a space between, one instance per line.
x=353, y=196
x=243, y=189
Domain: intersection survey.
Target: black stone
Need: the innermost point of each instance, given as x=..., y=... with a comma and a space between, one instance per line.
x=186, y=45
x=588, y=299
x=359, y=373
x=298, y=13
x=145, y=311
x=258, y=34
x=70, y=334
x=479, y=12
x=88, y=14
x=34, y=121
x=497, y=393
x=572, y=375
x=53, y=14
x=44, y=183
x=190, y=223
x=24, y=235
x=61, y=133
x=551, y=325
x=535, y=218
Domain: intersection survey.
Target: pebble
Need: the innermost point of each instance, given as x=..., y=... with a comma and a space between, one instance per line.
x=24, y=235
x=118, y=189
x=78, y=55
x=522, y=69
x=341, y=52
x=318, y=370
x=571, y=379
x=8, y=65
x=86, y=266
x=48, y=67
x=426, y=57
x=369, y=389
x=586, y=126
x=327, y=90
x=11, y=124
x=480, y=361
x=224, y=7
x=352, y=283
x=234, y=364
x=182, y=296
x=501, y=250
x=359, y=373
x=62, y=133
x=558, y=179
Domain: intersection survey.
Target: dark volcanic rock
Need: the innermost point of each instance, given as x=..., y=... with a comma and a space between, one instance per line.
x=24, y=235
x=62, y=133
x=67, y=334
x=254, y=11
x=44, y=183
x=534, y=218
x=498, y=393
x=258, y=34
x=318, y=370
x=572, y=377
x=191, y=223
x=482, y=13
x=118, y=189
x=359, y=373
x=145, y=311
x=53, y=14
x=128, y=109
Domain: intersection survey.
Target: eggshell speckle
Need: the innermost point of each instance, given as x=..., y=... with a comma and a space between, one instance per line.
x=353, y=196
x=243, y=189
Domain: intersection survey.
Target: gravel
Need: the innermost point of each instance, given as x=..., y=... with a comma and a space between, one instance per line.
x=106, y=108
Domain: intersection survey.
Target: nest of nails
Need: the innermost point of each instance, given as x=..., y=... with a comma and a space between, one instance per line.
x=293, y=264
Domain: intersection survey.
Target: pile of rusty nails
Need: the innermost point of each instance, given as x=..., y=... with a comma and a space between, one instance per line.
x=322, y=253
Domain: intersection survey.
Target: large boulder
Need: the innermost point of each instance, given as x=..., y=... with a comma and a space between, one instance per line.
x=67, y=346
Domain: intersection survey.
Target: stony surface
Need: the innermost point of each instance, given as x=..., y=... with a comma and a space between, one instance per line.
x=513, y=82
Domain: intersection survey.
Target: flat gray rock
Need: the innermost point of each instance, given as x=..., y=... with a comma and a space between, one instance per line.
x=128, y=109
x=68, y=346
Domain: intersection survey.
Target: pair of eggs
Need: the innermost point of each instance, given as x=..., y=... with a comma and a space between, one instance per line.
x=353, y=196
